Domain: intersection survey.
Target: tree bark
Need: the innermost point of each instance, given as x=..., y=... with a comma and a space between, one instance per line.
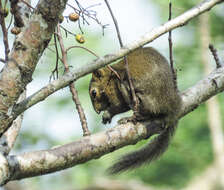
x=27, y=49
x=92, y=147
x=65, y=80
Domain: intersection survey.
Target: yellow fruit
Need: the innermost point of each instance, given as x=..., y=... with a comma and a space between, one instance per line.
x=73, y=17
x=15, y=30
x=79, y=38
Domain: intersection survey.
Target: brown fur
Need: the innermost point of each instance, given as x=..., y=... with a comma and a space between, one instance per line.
x=156, y=93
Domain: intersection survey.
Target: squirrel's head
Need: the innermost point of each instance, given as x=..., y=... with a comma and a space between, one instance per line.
x=97, y=90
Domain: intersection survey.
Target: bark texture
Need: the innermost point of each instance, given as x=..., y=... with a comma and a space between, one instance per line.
x=65, y=80
x=27, y=49
x=94, y=146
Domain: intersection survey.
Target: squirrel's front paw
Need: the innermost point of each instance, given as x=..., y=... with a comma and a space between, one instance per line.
x=106, y=118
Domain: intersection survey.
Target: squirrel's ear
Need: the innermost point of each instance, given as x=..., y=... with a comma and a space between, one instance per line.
x=98, y=73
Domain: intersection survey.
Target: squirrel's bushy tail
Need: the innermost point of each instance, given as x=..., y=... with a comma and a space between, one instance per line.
x=151, y=151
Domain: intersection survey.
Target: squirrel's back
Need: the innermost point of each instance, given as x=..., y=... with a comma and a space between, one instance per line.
x=157, y=96
x=152, y=79
x=158, y=99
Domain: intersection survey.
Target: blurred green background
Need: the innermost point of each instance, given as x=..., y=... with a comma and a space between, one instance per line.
x=55, y=121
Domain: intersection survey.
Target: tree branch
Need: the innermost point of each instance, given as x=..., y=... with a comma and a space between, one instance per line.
x=215, y=55
x=132, y=89
x=47, y=161
x=72, y=88
x=202, y=91
x=9, y=137
x=27, y=49
x=65, y=80
x=94, y=146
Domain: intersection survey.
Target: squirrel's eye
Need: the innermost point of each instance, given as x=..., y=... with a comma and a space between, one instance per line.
x=93, y=93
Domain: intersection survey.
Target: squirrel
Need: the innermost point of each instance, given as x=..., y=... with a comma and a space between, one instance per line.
x=157, y=96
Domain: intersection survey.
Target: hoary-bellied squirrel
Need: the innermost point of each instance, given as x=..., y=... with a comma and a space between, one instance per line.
x=158, y=99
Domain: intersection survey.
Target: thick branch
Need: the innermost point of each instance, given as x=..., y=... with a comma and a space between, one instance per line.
x=202, y=91
x=94, y=146
x=8, y=139
x=27, y=49
x=89, y=67
x=46, y=161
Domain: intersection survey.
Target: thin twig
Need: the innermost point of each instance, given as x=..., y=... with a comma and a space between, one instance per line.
x=53, y=52
x=85, y=12
x=115, y=72
x=115, y=23
x=10, y=22
x=135, y=100
x=171, y=48
x=82, y=48
x=82, y=116
x=66, y=30
x=2, y=60
x=215, y=55
x=27, y=4
x=73, y=91
x=94, y=5
x=4, y=31
x=80, y=27
x=57, y=57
